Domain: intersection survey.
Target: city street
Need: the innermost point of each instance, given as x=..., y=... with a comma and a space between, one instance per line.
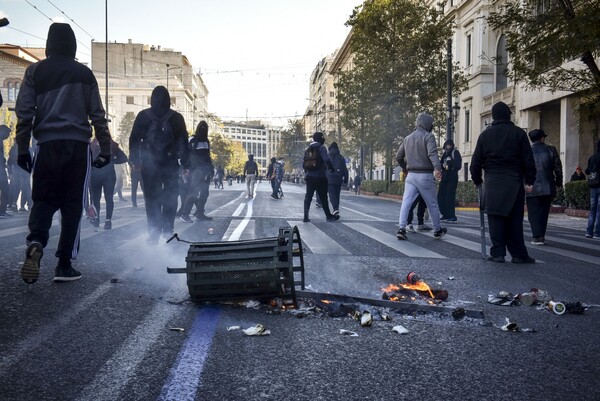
x=109, y=335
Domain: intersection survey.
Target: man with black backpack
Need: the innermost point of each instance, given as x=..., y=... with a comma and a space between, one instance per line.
x=158, y=143
x=316, y=163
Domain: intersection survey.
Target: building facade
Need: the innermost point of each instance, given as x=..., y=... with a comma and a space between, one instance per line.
x=322, y=112
x=134, y=70
x=258, y=139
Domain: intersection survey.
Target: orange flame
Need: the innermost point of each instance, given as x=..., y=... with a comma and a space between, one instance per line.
x=418, y=286
x=326, y=301
x=391, y=287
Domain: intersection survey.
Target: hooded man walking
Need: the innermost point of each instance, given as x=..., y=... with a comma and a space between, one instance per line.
x=419, y=159
x=503, y=151
x=335, y=179
x=316, y=163
x=157, y=144
x=58, y=99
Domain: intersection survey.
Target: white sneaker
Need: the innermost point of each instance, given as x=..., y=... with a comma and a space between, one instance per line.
x=410, y=228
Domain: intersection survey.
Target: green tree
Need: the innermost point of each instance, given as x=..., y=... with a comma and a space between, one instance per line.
x=543, y=35
x=399, y=71
x=292, y=145
x=125, y=126
x=227, y=153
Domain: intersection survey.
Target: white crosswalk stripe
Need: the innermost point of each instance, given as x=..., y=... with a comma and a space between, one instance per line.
x=463, y=243
x=390, y=240
x=317, y=241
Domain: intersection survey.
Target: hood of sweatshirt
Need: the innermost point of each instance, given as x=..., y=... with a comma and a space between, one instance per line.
x=61, y=41
x=160, y=101
x=425, y=121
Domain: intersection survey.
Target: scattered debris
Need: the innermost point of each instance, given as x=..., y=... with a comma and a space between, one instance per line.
x=557, y=307
x=451, y=278
x=179, y=329
x=575, y=307
x=400, y=329
x=414, y=286
x=258, y=330
x=385, y=317
x=115, y=280
x=510, y=326
x=348, y=333
x=251, y=304
x=211, y=231
x=231, y=328
x=458, y=313
x=503, y=298
x=366, y=319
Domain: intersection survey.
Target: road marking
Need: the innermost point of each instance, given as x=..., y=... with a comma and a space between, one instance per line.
x=237, y=232
x=389, y=240
x=363, y=214
x=462, y=243
x=238, y=211
x=184, y=379
x=317, y=241
x=113, y=377
x=226, y=205
x=14, y=231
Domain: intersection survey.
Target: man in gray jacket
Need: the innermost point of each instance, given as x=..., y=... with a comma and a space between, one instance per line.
x=419, y=159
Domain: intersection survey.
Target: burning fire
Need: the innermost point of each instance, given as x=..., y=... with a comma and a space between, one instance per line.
x=418, y=286
x=325, y=301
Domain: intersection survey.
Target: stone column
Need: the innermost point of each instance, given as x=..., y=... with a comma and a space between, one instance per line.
x=569, y=135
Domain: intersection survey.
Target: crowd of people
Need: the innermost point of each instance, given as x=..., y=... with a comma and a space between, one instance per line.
x=59, y=106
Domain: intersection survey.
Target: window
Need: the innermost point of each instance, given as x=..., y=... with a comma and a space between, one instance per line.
x=129, y=99
x=468, y=50
x=243, y=132
x=331, y=120
x=467, y=125
x=173, y=101
x=148, y=100
x=331, y=107
x=226, y=130
x=11, y=93
x=466, y=171
x=501, y=64
x=332, y=94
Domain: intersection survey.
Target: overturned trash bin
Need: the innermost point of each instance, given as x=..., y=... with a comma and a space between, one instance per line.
x=258, y=268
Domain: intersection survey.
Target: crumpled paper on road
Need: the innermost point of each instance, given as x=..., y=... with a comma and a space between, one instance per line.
x=503, y=298
x=400, y=329
x=348, y=333
x=258, y=330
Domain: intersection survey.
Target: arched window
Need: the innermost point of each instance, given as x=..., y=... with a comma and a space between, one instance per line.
x=17, y=88
x=501, y=64
x=11, y=93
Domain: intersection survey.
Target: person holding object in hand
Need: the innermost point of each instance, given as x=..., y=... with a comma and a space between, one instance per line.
x=58, y=100
x=504, y=152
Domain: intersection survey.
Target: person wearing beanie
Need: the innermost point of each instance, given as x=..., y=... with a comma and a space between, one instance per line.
x=504, y=153
x=419, y=160
x=250, y=172
x=593, y=172
x=578, y=175
x=548, y=180
x=336, y=178
x=451, y=164
x=59, y=103
x=316, y=164
x=158, y=145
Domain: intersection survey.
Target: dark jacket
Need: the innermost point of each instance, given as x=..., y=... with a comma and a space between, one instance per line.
x=503, y=151
x=326, y=165
x=59, y=97
x=271, y=171
x=250, y=167
x=548, y=166
x=594, y=163
x=357, y=180
x=340, y=173
x=451, y=160
x=578, y=177
x=160, y=104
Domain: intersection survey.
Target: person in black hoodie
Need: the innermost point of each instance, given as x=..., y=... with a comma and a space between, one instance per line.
x=58, y=99
x=451, y=164
x=104, y=180
x=503, y=151
x=316, y=178
x=200, y=175
x=593, y=170
x=157, y=144
x=335, y=179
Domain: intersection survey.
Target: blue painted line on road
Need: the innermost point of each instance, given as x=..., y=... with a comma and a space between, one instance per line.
x=184, y=379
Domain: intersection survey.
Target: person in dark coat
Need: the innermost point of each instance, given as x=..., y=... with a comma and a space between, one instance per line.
x=578, y=175
x=158, y=155
x=337, y=178
x=503, y=151
x=451, y=164
x=593, y=170
x=104, y=180
x=357, y=183
x=316, y=180
x=548, y=180
x=201, y=174
x=59, y=103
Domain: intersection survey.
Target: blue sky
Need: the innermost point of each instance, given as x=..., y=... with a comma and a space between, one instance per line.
x=255, y=55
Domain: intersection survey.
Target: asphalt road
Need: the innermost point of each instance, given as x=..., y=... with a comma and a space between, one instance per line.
x=108, y=336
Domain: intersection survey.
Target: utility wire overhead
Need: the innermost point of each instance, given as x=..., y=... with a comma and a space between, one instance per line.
x=71, y=19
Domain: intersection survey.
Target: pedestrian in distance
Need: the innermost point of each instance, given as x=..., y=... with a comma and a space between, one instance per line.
x=419, y=159
x=451, y=164
x=120, y=173
x=593, y=180
x=336, y=178
x=158, y=146
x=4, y=184
x=357, y=181
x=103, y=180
x=20, y=184
x=200, y=175
x=578, y=175
x=220, y=173
x=504, y=153
x=136, y=180
x=58, y=99
x=548, y=180
x=279, y=173
x=316, y=163
x=250, y=172
x=271, y=176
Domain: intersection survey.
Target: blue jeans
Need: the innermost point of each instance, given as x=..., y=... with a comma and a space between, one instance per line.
x=594, y=214
x=423, y=184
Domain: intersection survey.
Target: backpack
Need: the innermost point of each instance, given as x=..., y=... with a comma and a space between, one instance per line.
x=312, y=159
x=160, y=138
